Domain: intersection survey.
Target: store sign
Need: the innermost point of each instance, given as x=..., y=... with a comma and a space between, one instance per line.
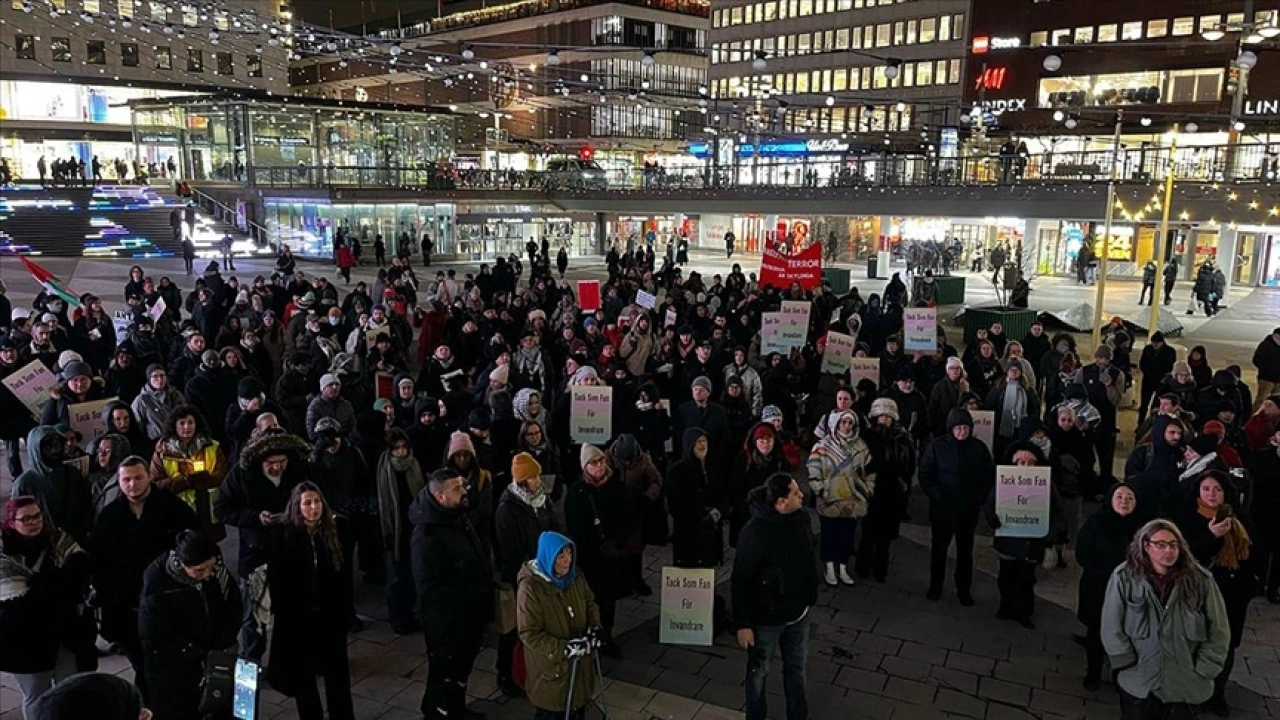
x=991, y=78
x=1262, y=107
x=780, y=148
x=982, y=44
x=158, y=139
x=826, y=146
x=1010, y=105
x=281, y=141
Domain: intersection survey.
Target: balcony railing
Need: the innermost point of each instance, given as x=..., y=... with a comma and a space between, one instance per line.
x=531, y=8
x=1241, y=163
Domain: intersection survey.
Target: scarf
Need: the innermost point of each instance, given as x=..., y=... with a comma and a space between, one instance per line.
x=197, y=443
x=404, y=464
x=534, y=500
x=175, y=570
x=1235, y=544
x=529, y=361
x=1197, y=467
x=1013, y=409
x=15, y=570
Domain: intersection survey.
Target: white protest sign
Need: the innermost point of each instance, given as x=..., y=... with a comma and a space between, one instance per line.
x=670, y=319
x=688, y=606
x=771, y=334
x=591, y=414
x=158, y=309
x=645, y=300
x=795, y=322
x=984, y=427
x=839, y=352
x=920, y=329
x=1022, y=501
x=31, y=384
x=86, y=418
x=864, y=368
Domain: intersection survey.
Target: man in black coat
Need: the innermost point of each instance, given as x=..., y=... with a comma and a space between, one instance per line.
x=131, y=532
x=1156, y=361
x=700, y=412
x=454, y=577
x=957, y=474
x=1266, y=358
x=775, y=581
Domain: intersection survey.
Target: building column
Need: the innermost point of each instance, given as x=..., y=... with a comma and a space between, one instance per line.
x=1031, y=247
x=1226, y=257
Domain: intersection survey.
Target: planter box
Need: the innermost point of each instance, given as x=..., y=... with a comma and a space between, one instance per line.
x=839, y=279
x=1016, y=321
x=950, y=289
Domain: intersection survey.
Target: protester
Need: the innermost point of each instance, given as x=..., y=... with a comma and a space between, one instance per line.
x=893, y=459
x=1019, y=556
x=400, y=480
x=1100, y=547
x=189, y=463
x=842, y=489
x=956, y=474
x=604, y=528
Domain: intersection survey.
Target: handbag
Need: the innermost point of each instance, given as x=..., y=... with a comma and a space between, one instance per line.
x=218, y=684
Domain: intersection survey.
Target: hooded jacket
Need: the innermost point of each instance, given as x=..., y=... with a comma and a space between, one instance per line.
x=518, y=525
x=62, y=491
x=775, y=575
x=55, y=410
x=246, y=493
x=452, y=572
x=551, y=611
x=695, y=494
x=957, y=475
x=840, y=466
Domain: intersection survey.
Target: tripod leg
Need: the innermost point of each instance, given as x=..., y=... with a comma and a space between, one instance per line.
x=573, y=680
x=604, y=710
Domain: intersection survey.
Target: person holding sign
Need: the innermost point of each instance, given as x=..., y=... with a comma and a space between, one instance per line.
x=18, y=420
x=956, y=473
x=78, y=386
x=1019, y=556
x=1164, y=626
x=603, y=525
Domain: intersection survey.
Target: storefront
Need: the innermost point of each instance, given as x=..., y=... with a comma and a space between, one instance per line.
x=799, y=163
x=484, y=235
x=651, y=230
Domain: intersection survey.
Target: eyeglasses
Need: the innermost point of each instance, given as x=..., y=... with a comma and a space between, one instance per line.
x=29, y=519
x=1164, y=544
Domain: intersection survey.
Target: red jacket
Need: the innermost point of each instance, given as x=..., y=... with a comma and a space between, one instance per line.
x=345, y=257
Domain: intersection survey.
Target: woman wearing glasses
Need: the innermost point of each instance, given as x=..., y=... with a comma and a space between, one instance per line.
x=1164, y=627
x=43, y=573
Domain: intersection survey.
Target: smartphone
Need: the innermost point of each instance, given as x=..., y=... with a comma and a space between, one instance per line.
x=1224, y=512
x=245, y=698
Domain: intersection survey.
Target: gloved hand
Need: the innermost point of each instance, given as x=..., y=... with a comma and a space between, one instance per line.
x=577, y=648
x=715, y=515
x=595, y=636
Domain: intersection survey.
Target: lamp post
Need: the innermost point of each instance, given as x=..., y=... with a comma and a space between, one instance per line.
x=1106, y=239
x=1164, y=236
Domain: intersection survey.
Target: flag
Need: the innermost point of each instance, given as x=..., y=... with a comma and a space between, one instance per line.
x=50, y=282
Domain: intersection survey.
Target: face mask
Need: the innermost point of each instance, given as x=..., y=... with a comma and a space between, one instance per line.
x=334, y=320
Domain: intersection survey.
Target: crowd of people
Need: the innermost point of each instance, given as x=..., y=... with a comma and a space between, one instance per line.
x=416, y=435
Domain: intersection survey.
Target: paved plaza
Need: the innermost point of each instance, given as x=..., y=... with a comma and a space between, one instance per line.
x=877, y=651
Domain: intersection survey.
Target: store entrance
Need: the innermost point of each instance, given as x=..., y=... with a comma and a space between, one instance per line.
x=1270, y=276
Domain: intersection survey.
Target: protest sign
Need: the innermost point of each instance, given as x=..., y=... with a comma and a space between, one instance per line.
x=984, y=427
x=780, y=269
x=591, y=414
x=645, y=300
x=688, y=606
x=670, y=319
x=839, y=353
x=589, y=295
x=795, y=322
x=1022, y=501
x=384, y=385
x=920, y=329
x=371, y=336
x=157, y=310
x=31, y=384
x=771, y=334
x=864, y=368
x=86, y=418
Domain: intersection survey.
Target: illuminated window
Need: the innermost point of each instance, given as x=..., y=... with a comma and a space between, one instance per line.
x=124, y=8
x=1040, y=38
x=913, y=31
x=61, y=47
x=855, y=39
x=735, y=16
x=158, y=11
x=802, y=83
x=908, y=71
x=253, y=66
x=944, y=28
x=924, y=73
x=1083, y=35
x=1131, y=31
x=195, y=60
x=164, y=58
x=1157, y=28
x=771, y=11
x=803, y=47
x=839, y=80
x=1107, y=33
x=957, y=25
x=899, y=33
x=93, y=6
x=1183, y=26
x=928, y=30
x=883, y=35
x=842, y=39
x=953, y=78
x=1208, y=22
x=24, y=47
x=806, y=8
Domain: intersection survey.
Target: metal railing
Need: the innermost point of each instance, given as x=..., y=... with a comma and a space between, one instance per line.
x=1208, y=164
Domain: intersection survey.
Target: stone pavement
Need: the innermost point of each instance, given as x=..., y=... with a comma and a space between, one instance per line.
x=876, y=651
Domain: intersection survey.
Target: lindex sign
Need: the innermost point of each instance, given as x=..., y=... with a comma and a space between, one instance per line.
x=1010, y=105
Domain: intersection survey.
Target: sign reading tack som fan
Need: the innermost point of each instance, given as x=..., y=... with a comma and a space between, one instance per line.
x=780, y=269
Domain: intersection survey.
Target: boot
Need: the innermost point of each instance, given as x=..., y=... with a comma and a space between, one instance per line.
x=830, y=575
x=1049, y=562
x=844, y=575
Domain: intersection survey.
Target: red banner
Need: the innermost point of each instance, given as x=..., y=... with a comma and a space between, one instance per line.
x=780, y=270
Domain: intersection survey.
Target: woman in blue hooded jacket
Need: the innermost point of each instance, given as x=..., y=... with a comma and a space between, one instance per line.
x=555, y=614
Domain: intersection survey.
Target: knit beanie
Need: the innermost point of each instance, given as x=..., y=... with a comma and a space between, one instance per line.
x=1181, y=367
x=588, y=453
x=884, y=406
x=702, y=381
x=329, y=379
x=249, y=388
x=770, y=412
x=500, y=374
x=1204, y=444
x=523, y=467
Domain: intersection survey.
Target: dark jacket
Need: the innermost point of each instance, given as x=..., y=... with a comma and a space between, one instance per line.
x=213, y=391
x=1266, y=357
x=956, y=475
x=694, y=491
x=1102, y=544
x=893, y=461
x=33, y=624
x=712, y=419
x=55, y=410
x=1155, y=364
x=64, y=494
x=775, y=575
x=179, y=622
x=246, y=493
x=517, y=527
x=124, y=545
x=451, y=570
x=310, y=599
x=603, y=524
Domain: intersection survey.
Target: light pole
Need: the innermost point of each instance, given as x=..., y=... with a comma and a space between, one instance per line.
x=1163, y=238
x=1106, y=238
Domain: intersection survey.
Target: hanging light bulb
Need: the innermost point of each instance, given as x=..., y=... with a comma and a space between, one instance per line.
x=830, y=101
x=1238, y=126
x=396, y=50
x=1146, y=121
x=760, y=63
x=1192, y=127
x=468, y=53
x=1059, y=116
x=891, y=69
x=1071, y=123
x=553, y=57
x=1052, y=63
x=1248, y=60
x=901, y=106
x=647, y=60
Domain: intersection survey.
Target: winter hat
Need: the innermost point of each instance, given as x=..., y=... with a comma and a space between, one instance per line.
x=1103, y=351
x=955, y=362
x=959, y=416
x=906, y=374
x=770, y=412
x=523, y=467
x=406, y=380
x=1204, y=444
x=93, y=694
x=589, y=322
x=1215, y=428
x=702, y=381
x=588, y=453
x=328, y=424
x=1181, y=367
x=242, y=297
x=380, y=405
x=1157, y=337
x=209, y=358
x=763, y=429
x=307, y=300
x=329, y=379
x=77, y=369
x=249, y=388
x=886, y=406
x=625, y=449
x=155, y=367
x=500, y=374
x=1075, y=391
x=734, y=380
x=1223, y=379
x=460, y=442
x=67, y=357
